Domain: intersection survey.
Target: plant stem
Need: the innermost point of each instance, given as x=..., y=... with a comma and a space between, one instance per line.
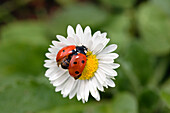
x=159, y=73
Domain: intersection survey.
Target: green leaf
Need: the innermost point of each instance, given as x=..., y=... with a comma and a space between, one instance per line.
x=124, y=103
x=28, y=95
x=165, y=93
x=119, y=3
x=154, y=29
x=6, y=81
x=118, y=31
x=27, y=32
x=66, y=2
x=148, y=100
x=76, y=108
x=163, y=4
x=140, y=61
x=104, y=106
x=159, y=72
x=84, y=14
x=89, y=107
x=22, y=48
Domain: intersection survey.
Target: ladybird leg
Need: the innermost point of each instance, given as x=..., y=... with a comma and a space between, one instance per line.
x=77, y=77
x=58, y=63
x=65, y=63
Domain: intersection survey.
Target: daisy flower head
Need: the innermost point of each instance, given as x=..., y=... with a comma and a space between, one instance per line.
x=81, y=64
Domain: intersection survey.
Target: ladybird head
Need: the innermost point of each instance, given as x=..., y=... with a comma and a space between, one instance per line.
x=84, y=47
x=81, y=49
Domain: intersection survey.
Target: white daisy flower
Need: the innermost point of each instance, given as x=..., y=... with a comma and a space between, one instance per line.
x=99, y=68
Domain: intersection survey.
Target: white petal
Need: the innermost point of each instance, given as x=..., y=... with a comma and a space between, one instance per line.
x=50, y=56
x=83, y=101
x=74, y=89
x=82, y=89
x=101, y=76
x=98, y=48
x=110, y=82
x=98, y=96
x=98, y=85
x=114, y=65
x=98, y=77
x=102, y=40
x=103, y=45
x=59, y=88
x=78, y=90
x=91, y=88
x=96, y=41
x=95, y=86
x=104, y=35
x=107, y=70
x=70, y=31
x=52, y=74
x=79, y=31
x=107, y=56
x=50, y=71
x=68, y=86
x=79, y=96
x=96, y=34
x=110, y=48
x=71, y=40
x=87, y=36
x=61, y=79
x=52, y=63
x=61, y=38
x=58, y=44
x=94, y=92
x=87, y=31
x=106, y=42
x=114, y=55
x=57, y=74
x=86, y=90
x=89, y=44
x=48, y=61
x=77, y=40
x=79, y=34
x=105, y=85
x=114, y=73
x=55, y=43
x=53, y=50
x=93, y=82
x=102, y=61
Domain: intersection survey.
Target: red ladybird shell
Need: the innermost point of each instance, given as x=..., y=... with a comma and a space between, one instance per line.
x=64, y=52
x=77, y=65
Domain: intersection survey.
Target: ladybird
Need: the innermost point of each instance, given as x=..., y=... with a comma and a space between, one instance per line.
x=77, y=65
x=68, y=56
x=64, y=56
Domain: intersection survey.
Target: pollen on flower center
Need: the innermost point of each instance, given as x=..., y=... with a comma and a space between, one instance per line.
x=91, y=66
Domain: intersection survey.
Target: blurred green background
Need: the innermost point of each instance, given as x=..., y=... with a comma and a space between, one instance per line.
x=141, y=28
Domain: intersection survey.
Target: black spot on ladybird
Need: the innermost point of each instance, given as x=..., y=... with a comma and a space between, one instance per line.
x=76, y=72
x=63, y=50
x=75, y=62
x=82, y=61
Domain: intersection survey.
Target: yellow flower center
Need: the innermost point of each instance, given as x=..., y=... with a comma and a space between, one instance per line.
x=91, y=66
